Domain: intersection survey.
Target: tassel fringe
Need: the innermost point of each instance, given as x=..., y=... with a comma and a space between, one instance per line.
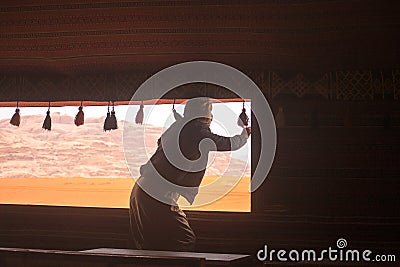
x=16, y=118
x=80, y=117
x=106, y=126
x=177, y=116
x=47, y=122
x=243, y=120
x=110, y=123
x=140, y=115
x=113, y=120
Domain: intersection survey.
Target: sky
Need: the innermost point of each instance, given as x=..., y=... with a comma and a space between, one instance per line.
x=224, y=121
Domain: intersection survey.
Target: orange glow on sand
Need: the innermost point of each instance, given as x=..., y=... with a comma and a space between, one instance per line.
x=101, y=192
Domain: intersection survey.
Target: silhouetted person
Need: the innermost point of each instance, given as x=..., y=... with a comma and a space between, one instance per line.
x=157, y=222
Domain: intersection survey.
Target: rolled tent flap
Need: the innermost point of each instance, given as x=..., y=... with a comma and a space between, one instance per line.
x=105, y=103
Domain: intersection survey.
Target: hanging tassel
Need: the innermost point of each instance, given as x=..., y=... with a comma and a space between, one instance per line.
x=243, y=120
x=177, y=116
x=113, y=119
x=47, y=120
x=140, y=115
x=107, y=126
x=80, y=116
x=16, y=118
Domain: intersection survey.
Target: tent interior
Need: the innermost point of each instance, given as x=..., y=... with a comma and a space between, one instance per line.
x=330, y=71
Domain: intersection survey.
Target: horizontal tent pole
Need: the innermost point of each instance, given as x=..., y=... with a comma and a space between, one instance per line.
x=105, y=103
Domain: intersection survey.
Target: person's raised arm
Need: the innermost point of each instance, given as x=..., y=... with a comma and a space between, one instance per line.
x=223, y=143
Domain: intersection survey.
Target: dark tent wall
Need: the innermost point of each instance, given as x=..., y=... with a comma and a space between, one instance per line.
x=71, y=37
x=63, y=51
x=332, y=66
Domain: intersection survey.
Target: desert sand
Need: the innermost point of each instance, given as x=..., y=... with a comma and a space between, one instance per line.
x=104, y=192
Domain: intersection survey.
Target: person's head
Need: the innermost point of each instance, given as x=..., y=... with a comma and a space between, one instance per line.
x=200, y=108
x=206, y=120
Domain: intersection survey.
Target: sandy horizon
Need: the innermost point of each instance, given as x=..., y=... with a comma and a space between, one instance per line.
x=107, y=192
